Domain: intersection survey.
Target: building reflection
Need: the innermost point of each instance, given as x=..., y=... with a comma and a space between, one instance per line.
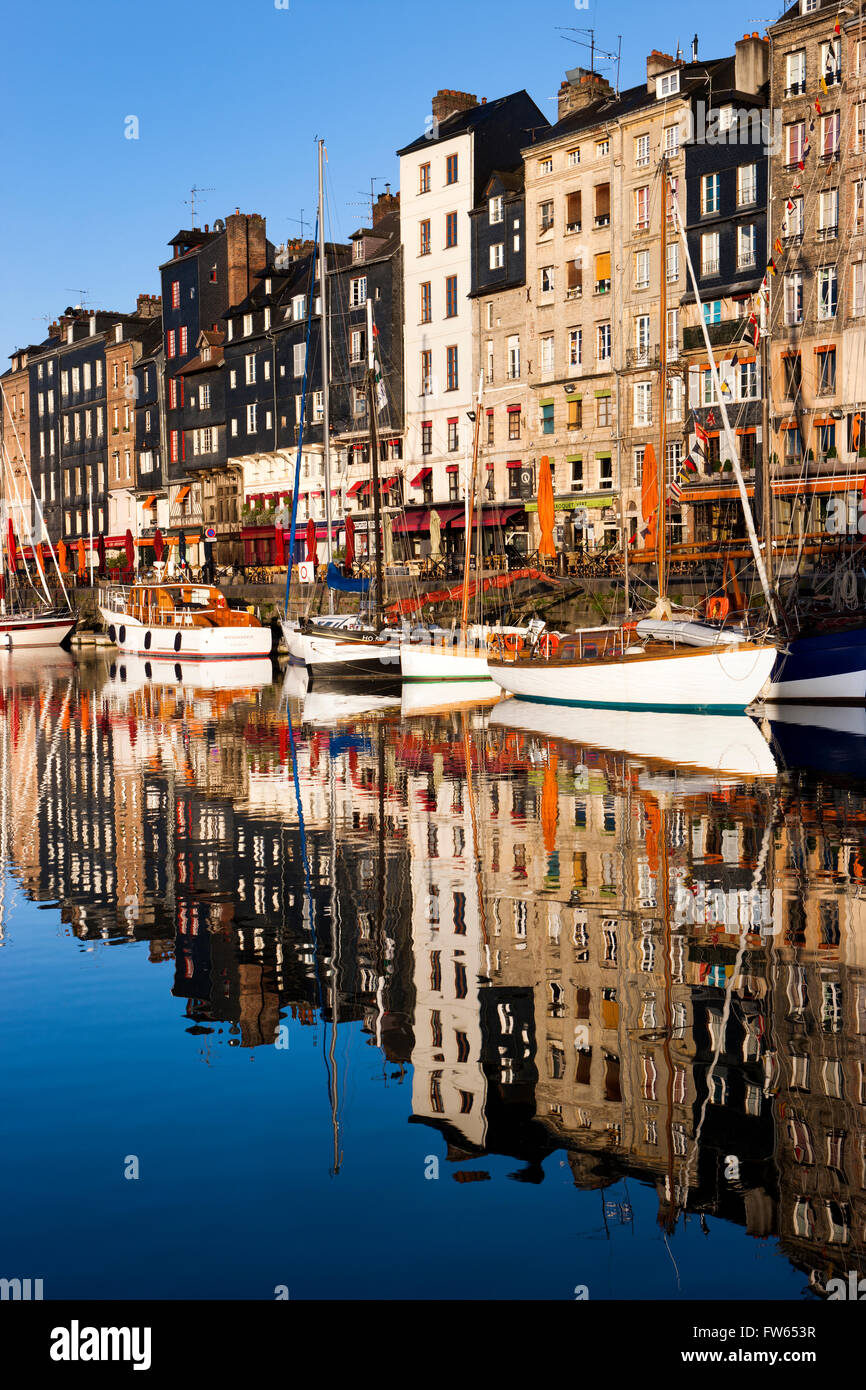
x=660, y=976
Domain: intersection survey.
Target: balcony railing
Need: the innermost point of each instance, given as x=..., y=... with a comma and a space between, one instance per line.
x=602, y=287
x=601, y=219
x=574, y=292
x=720, y=334
x=710, y=268
x=828, y=233
x=572, y=227
x=796, y=89
x=794, y=239
x=643, y=356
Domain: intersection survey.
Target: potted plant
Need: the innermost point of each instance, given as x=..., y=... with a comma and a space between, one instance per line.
x=832, y=452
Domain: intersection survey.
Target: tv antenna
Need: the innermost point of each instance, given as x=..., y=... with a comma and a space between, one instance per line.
x=84, y=295
x=373, y=182
x=299, y=222
x=593, y=49
x=190, y=201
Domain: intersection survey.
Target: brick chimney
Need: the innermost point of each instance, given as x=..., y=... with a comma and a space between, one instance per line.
x=246, y=249
x=447, y=102
x=751, y=63
x=148, y=306
x=579, y=88
x=657, y=63
x=385, y=203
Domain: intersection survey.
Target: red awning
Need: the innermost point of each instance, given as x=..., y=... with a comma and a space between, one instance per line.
x=492, y=516
x=387, y=483
x=452, y=468
x=420, y=477
x=420, y=520
x=356, y=488
x=514, y=463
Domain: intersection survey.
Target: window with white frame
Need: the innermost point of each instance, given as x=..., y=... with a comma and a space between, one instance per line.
x=602, y=149
x=641, y=270
x=545, y=166
x=668, y=84
x=795, y=72
x=793, y=291
x=299, y=352
x=828, y=212
x=671, y=140
x=747, y=185
x=831, y=61
x=496, y=209
x=641, y=151
x=676, y=398
x=602, y=343
x=827, y=292
x=794, y=223
x=358, y=344
x=252, y=411
x=709, y=193
x=546, y=279
x=641, y=338
x=643, y=403
x=573, y=158
x=641, y=207
x=672, y=336
x=299, y=306
x=547, y=355
x=746, y=246
x=250, y=368
x=358, y=291
x=710, y=253
x=248, y=325
x=497, y=255
x=514, y=357
x=673, y=262
x=575, y=347
x=795, y=139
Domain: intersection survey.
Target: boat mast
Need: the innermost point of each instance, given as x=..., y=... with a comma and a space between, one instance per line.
x=467, y=548
x=766, y=467
x=661, y=467
x=730, y=442
x=326, y=365
x=373, y=409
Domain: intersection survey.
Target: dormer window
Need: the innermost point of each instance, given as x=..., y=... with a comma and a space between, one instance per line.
x=205, y=353
x=726, y=117
x=248, y=324
x=118, y=332
x=809, y=6
x=668, y=84
x=269, y=285
x=358, y=248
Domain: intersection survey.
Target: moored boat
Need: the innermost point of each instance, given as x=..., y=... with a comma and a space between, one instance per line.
x=191, y=621
x=39, y=628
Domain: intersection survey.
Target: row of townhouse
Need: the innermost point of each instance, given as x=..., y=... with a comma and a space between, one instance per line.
x=528, y=270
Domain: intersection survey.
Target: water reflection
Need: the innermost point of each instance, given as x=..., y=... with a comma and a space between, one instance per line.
x=642, y=951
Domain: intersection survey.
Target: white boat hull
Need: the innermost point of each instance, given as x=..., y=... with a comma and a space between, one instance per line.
x=443, y=697
x=18, y=633
x=182, y=643
x=328, y=657
x=722, y=681
x=720, y=744
x=425, y=663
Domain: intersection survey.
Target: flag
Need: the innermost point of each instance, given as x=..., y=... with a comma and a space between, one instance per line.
x=675, y=492
x=824, y=88
x=726, y=390
x=818, y=106
x=381, y=393
x=771, y=267
x=837, y=29
x=711, y=419
x=789, y=206
x=777, y=246
x=735, y=359
x=690, y=465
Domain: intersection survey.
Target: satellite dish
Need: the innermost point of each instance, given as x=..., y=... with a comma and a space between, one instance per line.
x=219, y=225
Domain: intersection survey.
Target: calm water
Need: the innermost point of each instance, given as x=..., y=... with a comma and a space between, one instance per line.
x=287, y=1000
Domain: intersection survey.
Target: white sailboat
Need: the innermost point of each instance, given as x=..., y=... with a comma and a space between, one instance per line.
x=344, y=647
x=660, y=664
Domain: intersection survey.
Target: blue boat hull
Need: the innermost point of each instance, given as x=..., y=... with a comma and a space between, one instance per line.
x=829, y=668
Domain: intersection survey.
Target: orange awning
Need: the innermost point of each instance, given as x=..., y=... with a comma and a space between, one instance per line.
x=150, y=501
x=840, y=485
x=181, y=496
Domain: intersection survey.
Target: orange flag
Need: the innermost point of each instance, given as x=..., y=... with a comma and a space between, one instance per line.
x=649, y=497
x=545, y=508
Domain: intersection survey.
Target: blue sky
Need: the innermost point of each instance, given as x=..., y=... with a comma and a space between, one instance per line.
x=230, y=95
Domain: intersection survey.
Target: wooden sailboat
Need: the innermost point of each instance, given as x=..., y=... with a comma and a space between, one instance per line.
x=658, y=663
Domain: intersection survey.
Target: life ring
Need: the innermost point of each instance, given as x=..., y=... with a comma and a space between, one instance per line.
x=549, y=644
x=513, y=643
x=718, y=608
